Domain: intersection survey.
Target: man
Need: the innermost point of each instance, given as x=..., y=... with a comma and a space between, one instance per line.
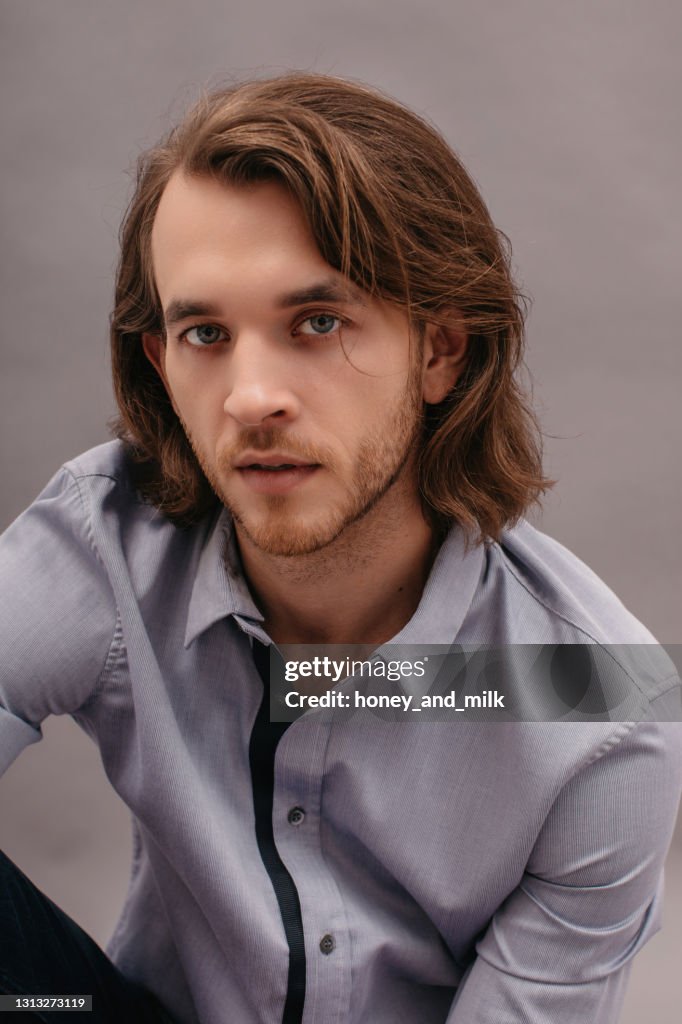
x=322, y=441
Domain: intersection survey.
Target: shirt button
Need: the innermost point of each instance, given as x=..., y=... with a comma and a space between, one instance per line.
x=295, y=815
x=327, y=944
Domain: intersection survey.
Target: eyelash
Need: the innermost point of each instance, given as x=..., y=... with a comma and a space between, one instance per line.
x=342, y=322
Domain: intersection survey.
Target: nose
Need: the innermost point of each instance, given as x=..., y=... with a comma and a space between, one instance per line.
x=259, y=384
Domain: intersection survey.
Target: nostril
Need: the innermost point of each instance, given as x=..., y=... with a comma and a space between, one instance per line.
x=260, y=399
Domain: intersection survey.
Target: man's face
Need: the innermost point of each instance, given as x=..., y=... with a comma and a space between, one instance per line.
x=301, y=396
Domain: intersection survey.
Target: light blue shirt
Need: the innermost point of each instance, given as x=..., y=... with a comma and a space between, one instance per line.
x=461, y=872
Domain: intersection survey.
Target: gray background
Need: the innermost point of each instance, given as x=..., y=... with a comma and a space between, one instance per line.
x=566, y=114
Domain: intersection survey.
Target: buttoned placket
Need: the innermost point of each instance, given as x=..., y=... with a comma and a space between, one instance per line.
x=299, y=784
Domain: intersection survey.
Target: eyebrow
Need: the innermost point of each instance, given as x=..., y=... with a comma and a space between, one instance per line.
x=181, y=309
x=322, y=291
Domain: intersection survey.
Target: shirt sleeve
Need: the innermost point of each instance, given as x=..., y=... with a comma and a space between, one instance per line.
x=57, y=614
x=560, y=947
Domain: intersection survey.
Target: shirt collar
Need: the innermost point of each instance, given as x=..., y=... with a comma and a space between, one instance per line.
x=220, y=589
x=449, y=591
x=219, y=586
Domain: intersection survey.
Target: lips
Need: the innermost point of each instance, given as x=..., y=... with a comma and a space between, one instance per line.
x=273, y=469
x=276, y=473
x=272, y=461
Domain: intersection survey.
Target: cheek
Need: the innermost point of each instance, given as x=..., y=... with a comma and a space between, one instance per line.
x=196, y=398
x=365, y=410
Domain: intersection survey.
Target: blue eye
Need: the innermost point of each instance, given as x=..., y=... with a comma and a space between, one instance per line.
x=204, y=335
x=321, y=323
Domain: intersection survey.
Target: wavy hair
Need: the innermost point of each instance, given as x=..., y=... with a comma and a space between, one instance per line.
x=391, y=207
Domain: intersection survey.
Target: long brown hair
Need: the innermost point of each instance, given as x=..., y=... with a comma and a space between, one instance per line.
x=391, y=207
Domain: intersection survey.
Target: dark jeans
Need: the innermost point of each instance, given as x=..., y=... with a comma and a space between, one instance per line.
x=44, y=952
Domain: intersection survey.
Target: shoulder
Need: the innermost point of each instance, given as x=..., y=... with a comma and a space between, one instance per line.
x=97, y=494
x=535, y=591
x=89, y=498
x=563, y=589
x=92, y=504
x=65, y=503
x=106, y=479
x=108, y=461
x=123, y=524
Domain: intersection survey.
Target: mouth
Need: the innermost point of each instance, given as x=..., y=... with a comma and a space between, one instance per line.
x=270, y=460
x=281, y=468
x=274, y=474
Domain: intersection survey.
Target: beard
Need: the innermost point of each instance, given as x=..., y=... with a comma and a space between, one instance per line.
x=274, y=526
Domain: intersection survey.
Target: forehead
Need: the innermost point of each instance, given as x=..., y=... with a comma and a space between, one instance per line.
x=202, y=222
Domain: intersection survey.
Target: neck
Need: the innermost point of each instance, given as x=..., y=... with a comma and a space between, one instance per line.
x=362, y=588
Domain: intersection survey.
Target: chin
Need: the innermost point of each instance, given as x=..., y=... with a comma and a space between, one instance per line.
x=287, y=537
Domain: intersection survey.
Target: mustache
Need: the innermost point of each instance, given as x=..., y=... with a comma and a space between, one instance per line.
x=274, y=439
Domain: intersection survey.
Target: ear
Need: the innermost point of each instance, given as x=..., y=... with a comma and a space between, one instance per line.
x=155, y=350
x=445, y=353
x=154, y=347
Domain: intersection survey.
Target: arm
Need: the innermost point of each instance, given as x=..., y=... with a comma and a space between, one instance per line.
x=57, y=615
x=559, y=949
